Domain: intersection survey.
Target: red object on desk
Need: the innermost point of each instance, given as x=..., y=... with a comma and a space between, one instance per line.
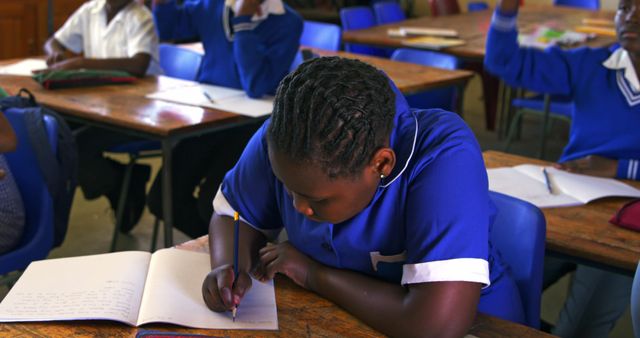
x=628, y=216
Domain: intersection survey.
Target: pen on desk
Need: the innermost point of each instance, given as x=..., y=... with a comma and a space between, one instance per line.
x=236, y=237
x=547, y=180
x=208, y=96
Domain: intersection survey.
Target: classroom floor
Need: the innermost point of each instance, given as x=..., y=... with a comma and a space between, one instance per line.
x=91, y=223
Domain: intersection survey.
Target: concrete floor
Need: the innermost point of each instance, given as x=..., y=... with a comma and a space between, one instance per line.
x=91, y=223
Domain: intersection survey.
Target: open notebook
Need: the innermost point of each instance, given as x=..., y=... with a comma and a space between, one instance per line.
x=132, y=287
x=527, y=182
x=216, y=97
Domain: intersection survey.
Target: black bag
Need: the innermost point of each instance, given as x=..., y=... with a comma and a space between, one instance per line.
x=59, y=169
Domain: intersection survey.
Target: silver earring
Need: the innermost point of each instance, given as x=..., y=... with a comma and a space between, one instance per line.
x=382, y=176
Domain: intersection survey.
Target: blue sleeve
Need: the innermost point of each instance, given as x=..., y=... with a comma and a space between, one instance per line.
x=249, y=187
x=548, y=71
x=448, y=217
x=176, y=22
x=263, y=62
x=628, y=169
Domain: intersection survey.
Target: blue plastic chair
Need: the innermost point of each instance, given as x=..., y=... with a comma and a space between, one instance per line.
x=37, y=240
x=586, y=4
x=519, y=232
x=635, y=303
x=557, y=107
x=445, y=98
x=360, y=17
x=321, y=35
x=477, y=6
x=180, y=62
x=388, y=12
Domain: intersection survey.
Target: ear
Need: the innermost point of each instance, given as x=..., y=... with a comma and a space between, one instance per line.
x=383, y=162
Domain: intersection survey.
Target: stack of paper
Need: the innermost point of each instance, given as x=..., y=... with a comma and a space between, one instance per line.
x=216, y=97
x=408, y=31
x=544, y=37
x=432, y=42
x=24, y=67
x=527, y=182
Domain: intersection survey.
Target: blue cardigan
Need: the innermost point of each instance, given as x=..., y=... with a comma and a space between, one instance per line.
x=606, y=119
x=239, y=53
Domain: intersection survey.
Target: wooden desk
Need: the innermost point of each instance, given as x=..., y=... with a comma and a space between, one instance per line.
x=300, y=314
x=472, y=27
x=124, y=108
x=408, y=77
x=584, y=232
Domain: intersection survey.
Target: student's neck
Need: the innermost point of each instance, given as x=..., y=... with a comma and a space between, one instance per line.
x=112, y=10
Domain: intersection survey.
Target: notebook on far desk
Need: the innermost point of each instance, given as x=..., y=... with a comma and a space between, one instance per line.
x=432, y=42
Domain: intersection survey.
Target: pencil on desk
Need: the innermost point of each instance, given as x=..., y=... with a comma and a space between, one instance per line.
x=547, y=180
x=208, y=96
x=236, y=237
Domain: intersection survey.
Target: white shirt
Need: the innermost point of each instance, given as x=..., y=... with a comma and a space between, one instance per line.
x=620, y=59
x=130, y=32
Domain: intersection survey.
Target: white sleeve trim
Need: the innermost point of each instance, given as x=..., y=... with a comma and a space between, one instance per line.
x=222, y=207
x=459, y=269
x=504, y=23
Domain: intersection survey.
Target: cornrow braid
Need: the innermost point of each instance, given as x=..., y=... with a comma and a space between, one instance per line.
x=334, y=113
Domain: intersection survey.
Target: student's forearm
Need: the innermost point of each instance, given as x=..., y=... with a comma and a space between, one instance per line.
x=136, y=66
x=221, y=239
x=437, y=309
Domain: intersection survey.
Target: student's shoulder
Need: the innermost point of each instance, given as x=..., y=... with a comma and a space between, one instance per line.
x=290, y=16
x=589, y=55
x=137, y=12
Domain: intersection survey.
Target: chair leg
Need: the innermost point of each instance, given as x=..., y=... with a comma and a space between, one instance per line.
x=513, y=129
x=154, y=236
x=545, y=122
x=124, y=191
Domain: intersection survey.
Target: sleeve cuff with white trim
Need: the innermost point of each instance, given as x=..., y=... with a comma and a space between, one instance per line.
x=459, y=270
x=628, y=169
x=222, y=207
x=243, y=23
x=504, y=21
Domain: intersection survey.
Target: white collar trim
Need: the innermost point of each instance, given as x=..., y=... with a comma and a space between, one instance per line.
x=406, y=164
x=620, y=59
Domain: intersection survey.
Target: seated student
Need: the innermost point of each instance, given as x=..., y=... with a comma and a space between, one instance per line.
x=248, y=45
x=603, y=141
x=376, y=198
x=12, y=220
x=115, y=35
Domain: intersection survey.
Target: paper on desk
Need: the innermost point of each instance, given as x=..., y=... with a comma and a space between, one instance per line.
x=221, y=98
x=24, y=67
x=407, y=31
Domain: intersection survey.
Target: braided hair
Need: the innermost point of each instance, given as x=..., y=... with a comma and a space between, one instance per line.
x=334, y=113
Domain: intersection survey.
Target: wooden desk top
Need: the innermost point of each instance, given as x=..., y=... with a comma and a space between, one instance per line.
x=473, y=27
x=300, y=314
x=583, y=231
x=409, y=77
x=125, y=105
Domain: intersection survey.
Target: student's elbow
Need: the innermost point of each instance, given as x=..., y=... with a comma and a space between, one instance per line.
x=140, y=64
x=255, y=90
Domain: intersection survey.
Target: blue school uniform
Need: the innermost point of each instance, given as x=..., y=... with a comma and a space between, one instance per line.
x=239, y=53
x=604, y=88
x=428, y=221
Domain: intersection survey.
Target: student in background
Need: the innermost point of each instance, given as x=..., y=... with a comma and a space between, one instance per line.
x=113, y=35
x=248, y=45
x=604, y=138
x=12, y=218
x=386, y=208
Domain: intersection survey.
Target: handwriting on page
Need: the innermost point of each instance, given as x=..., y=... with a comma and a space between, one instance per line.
x=114, y=299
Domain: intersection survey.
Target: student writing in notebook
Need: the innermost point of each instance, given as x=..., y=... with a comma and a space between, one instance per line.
x=12, y=218
x=604, y=140
x=116, y=35
x=386, y=208
x=249, y=45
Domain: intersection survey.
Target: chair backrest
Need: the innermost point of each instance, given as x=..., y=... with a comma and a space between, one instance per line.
x=37, y=240
x=587, y=4
x=321, y=35
x=388, y=12
x=444, y=98
x=635, y=303
x=477, y=6
x=444, y=7
x=180, y=62
x=519, y=232
x=359, y=17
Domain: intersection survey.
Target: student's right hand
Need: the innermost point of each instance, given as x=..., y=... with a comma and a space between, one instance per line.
x=54, y=58
x=218, y=289
x=247, y=7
